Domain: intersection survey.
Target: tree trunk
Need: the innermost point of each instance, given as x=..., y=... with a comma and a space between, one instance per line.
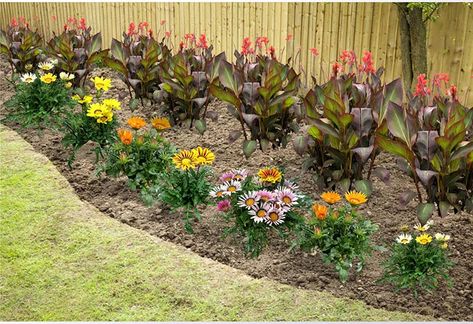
x=413, y=43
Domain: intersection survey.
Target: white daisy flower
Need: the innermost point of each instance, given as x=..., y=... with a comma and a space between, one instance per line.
x=259, y=212
x=422, y=228
x=66, y=76
x=28, y=77
x=265, y=195
x=248, y=200
x=404, y=238
x=46, y=66
x=239, y=174
x=231, y=187
x=217, y=191
x=442, y=237
x=275, y=216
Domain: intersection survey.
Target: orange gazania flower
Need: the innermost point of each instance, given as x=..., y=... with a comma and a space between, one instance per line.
x=160, y=123
x=320, y=211
x=126, y=137
x=356, y=198
x=136, y=122
x=271, y=175
x=331, y=197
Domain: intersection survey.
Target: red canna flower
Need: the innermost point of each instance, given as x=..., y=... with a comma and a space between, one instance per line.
x=348, y=57
x=336, y=69
x=53, y=18
x=150, y=32
x=272, y=52
x=162, y=22
x=367, y=65
x=202, y=43
x=314, y=51
x=262, y=41
x=82, y=24
x=167, y=34
x=452, y=92
x=439, y=78
x=181, y=46
x=246, y=46
x=289, y=37
x=131, y=29
x=422, y=89
x=13, y=22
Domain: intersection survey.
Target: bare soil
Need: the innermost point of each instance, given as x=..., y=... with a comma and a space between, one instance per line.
x=112, y=197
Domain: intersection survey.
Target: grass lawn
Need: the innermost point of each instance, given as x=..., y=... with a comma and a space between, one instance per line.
x=61, y=259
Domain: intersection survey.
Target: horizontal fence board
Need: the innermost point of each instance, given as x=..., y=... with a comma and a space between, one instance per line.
x=329, y=27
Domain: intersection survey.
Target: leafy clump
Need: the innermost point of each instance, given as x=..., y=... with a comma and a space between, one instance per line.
x=186, y=185
x=340, y=233
x=255, y=207
x=41, y=100
x=418, y=262
x=141, y=156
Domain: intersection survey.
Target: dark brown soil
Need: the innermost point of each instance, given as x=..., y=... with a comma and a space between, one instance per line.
x=112, y=197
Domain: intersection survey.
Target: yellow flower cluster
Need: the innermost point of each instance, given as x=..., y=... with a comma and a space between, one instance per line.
x=102, y=84
x=423, y=238
x=190, y=159
x=103, y=112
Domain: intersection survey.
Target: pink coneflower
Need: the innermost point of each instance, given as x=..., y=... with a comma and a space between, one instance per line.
x=226, y=176
x=286, y=197
x=239, y=174
x=223, y=206
x=265, y=195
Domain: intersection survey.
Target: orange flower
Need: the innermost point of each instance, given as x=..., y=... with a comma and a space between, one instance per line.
x=160, y=123
x=271, y=175
x=136, y=122
x=331, y=197
x=320, y=211
x=125, y=136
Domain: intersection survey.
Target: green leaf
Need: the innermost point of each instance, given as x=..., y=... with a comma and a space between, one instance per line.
x=315, y=133
x=249, y=147
x=394, y=147
x=226, y=76
x=462, y=151
x=201, y=126
x=300, y=144
x=397, y=123
x=116, y=65
x=364, y=186
x=226, y=96
x=424, y=212
x=324, y=127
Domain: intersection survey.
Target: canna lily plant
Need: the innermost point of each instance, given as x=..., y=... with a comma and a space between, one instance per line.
x=344, y=115
x=137, y=60
x=21, y=46
x=430, y=137
x=77, y=50
x=262, y=96
x=186, y=78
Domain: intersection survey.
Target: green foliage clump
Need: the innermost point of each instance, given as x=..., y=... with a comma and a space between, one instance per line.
x=141, y=157
x=39, y=104
x=418, y=262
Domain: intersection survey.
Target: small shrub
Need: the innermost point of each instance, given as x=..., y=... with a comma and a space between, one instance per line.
x=77, y=50
x=340, y=233
x=41, y=100
x=257, y=206
x=94, y=122
x=21, y=46
x=140, y=155
x=186, y=186
x=418, y=262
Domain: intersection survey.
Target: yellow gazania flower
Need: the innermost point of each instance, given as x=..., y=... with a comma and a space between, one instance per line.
x=136, y=122
x=106, y=117
x=160, y=123
x=86, y=100
x=204, y=155
x=97, y=110
x=271, y=175
x=355, y=198
x=331, y=197
x=101, y=83
x=112, y=104
x=424, y=239
x=421, y=228
x=48, y=78
x=46, y=66
x=185, y=160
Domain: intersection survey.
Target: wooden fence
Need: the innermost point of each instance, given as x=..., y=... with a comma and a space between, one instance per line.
x=329, y=27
